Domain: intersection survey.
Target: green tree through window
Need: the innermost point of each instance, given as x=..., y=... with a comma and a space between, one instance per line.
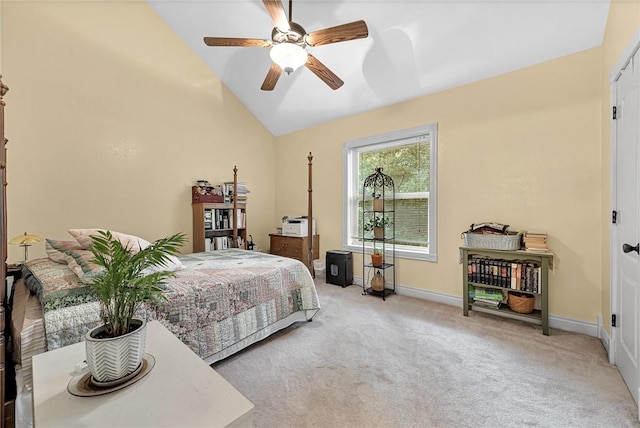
x=408, y=156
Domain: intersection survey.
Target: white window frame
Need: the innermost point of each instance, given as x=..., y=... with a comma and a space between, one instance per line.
x=351, y=193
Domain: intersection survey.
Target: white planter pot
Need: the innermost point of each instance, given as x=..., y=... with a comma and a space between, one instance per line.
x=114, y=358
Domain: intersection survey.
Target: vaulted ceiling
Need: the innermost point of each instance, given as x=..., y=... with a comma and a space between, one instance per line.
x=414, y=48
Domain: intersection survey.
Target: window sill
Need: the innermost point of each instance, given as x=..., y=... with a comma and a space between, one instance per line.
x=400, y=254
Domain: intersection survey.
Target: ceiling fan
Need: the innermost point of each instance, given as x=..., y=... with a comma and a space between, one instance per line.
x=288, y=42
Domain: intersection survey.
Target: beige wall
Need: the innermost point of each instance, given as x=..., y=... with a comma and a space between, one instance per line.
x=522, y=148
x=623, y=23
x=111, y=118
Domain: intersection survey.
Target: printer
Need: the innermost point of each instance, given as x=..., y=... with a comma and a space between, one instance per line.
x=297, y=226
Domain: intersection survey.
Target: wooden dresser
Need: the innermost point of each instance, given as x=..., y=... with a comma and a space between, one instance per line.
x=295, y=247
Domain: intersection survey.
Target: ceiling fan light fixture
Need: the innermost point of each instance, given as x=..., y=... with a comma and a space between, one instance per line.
x=288, y=56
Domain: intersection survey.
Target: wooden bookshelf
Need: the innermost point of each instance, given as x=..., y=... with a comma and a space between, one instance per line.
x=542, y=260
x=207, y=226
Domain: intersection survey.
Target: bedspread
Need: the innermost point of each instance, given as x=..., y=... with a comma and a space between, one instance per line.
x=220, y=298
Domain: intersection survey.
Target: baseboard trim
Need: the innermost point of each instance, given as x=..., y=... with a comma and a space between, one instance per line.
x=604, y=336
x=561, y=323
x=574, y=326
x=433, y=296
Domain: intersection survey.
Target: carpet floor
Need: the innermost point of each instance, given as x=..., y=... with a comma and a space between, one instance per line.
x=407, y=362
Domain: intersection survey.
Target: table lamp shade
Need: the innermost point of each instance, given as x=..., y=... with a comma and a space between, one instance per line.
x=25, y=241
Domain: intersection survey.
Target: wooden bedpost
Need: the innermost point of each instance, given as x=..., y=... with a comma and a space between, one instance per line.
x=235, y=205
x=3, y=255
x=310, y=213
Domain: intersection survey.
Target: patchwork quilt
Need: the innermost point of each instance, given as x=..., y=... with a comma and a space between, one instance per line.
x=220, y=298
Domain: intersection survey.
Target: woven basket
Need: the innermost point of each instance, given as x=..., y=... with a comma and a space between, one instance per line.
x=521, y=302
x=509, y=242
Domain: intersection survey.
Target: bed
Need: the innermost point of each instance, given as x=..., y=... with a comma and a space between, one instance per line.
x=219, y=303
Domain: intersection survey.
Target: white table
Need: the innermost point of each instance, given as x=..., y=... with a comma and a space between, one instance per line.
x=180, y=391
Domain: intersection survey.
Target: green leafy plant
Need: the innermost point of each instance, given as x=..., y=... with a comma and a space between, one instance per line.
x=375, y=250
x=129, y=278
x=376, y=221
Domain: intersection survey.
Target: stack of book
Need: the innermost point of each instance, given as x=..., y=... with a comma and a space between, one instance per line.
x=536, y=241
x=227, y=187
x=487, y=297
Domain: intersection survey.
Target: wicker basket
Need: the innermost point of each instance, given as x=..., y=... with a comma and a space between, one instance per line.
x=520, y=302
x=509, y=242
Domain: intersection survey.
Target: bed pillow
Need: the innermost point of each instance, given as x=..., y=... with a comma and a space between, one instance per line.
x=56, y=249
x=134, y=243
x=172, y=264
x=79, y=261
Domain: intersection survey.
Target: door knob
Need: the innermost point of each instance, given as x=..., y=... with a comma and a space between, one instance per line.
x=628, y=248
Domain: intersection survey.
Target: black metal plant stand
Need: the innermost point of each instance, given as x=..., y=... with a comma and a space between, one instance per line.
x=378, y=235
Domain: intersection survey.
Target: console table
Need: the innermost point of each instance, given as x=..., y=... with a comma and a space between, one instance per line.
x=180, y=390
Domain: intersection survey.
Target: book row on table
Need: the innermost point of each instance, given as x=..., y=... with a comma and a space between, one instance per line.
x=515, y=275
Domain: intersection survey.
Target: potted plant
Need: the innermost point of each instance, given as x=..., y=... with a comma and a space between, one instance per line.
x=376, y=257
x=378, y=204
x=377, y=224
x=126, y=280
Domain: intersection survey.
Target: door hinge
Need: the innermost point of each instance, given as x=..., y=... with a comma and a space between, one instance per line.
x=615, y=112
x=613, y=320
x=614, y=216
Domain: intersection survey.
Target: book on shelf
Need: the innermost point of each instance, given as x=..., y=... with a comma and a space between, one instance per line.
x=486, y=293
x=240, y=215
x=493, y=304
x=535, y=241
x=241, y=196
x=486, y=297
x=221, y=219
x=523, y=275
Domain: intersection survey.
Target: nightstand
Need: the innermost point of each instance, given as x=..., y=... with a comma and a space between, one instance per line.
x=295, y=247
x=14, y=272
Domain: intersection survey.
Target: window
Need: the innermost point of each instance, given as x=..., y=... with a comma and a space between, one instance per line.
x=409, y=156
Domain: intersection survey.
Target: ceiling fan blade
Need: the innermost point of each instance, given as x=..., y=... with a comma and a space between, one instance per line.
x=340, y=33
x=277, y=13
x=272, y=77
x=231, y=41
x=321, y=70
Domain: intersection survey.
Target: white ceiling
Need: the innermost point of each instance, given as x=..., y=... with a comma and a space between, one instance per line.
x=414, y=48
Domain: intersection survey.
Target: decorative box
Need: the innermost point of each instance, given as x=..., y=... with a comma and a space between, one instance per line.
x=204, y=194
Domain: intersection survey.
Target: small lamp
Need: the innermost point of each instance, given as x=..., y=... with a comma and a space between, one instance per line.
x=25, y=241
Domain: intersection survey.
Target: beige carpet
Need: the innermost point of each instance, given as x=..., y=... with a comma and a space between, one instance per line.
x=408, y=362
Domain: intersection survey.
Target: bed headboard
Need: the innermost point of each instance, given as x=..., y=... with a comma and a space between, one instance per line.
x=3, y=251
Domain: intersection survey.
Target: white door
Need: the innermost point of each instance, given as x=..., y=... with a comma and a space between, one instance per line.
x=626, y=295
